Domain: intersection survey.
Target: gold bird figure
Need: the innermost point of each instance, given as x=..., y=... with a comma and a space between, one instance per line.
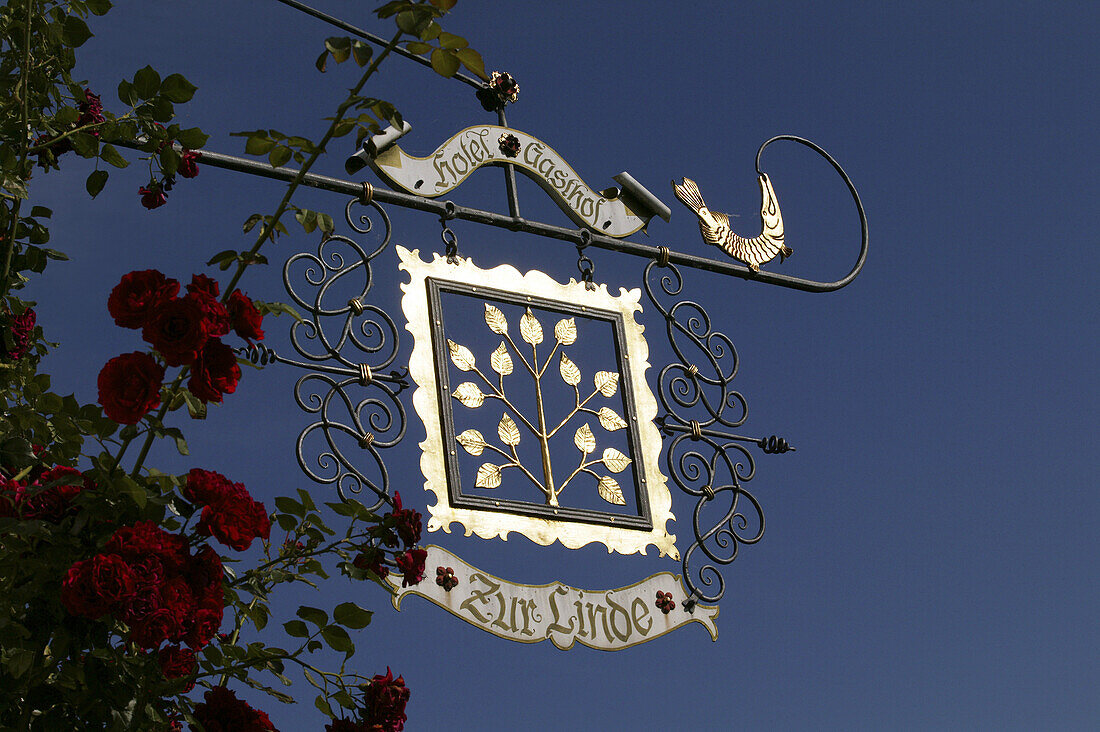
x=715, y=226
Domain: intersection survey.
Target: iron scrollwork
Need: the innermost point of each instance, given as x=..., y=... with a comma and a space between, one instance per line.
x=703, y=457
x=346, y=343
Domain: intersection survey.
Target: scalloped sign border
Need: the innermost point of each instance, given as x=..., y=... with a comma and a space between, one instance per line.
x=422, y=368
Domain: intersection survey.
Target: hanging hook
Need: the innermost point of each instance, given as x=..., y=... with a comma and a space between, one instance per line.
x=450, y=239
x=584, y=263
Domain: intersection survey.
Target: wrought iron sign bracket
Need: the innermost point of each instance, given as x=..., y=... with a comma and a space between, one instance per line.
x=573, y=236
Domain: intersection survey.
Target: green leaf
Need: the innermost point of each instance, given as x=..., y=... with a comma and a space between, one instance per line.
x=361, y=52
x=450, y=40
x=112, y=156
x=321, y=703
x=98, y=7
x=351, y=615
x=86, y=145
x=444, y=5
x=146, y=82
x=75, y=31
x=192, y=138
x=471, y=59
x=279, y=156
x=338, y=639
x=95, y=182
x=296, y=629
x=322, y=61
x=169, y=160
x=290, y=506
x=339, y=47
x=260, y=616
x=126, y=94
x=161, y=110
x=431, y=31
x=195, y=407
x=344, y=699
x=314, y=615
x=417, y=47
x=406, y=21
x=177, y=88
x=445, y=63
x=41, y=212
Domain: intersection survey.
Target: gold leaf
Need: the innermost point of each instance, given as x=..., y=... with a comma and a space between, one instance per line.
x=607, y=382
x=488, y=476
x=610, y=491
x=610, y=420
x=508, y=431
x=461, y=356
x=530, y=328
x=474, y=443
x=566, y=331
x=584, y=439
x=570, y=374
x=501, y=360
x=614, y=460
x=495, y=320
x=468, y=393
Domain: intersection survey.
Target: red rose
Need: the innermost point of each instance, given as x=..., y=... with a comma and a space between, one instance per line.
x=205, y=626
x=222, y=711
x=235, y=520
x=19, y=335
x=411, y=564
x=187, y=167
x=407, y=522
x=152, y=197
x=178, y=330
x=146, y=538
x=129, y=386
x=205, y=290
x=200, y=283
x=138, y=294
x=177, y=663
x=53, y=501
x=384, y=701
x=91, y=111
x=155, y=628
x=347, y=725
x=12, y=494
x=372, y=560
x=215, y=372
x=244, y=316
x=206, y=486
x=97, y=586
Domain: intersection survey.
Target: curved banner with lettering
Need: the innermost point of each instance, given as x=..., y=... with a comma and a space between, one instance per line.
x=609, y=620
x=615, y=212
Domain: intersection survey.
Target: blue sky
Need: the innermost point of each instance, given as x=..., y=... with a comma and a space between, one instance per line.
x=930, y=559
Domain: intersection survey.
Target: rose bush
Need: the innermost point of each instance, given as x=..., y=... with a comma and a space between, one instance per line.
x=116, y=609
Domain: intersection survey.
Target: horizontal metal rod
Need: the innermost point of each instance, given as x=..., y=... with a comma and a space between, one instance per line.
x=573, y=236
x=667, y=426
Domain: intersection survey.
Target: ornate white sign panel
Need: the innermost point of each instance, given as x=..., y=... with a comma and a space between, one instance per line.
x=609, y=620
x=536, y=408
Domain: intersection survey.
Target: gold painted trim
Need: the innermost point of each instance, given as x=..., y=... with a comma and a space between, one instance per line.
x=493, y=524
x=475, y=595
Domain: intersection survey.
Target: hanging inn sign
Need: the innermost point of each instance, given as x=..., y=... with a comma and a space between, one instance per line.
x=543, y=413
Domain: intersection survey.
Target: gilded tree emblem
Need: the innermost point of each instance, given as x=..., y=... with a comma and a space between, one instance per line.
x=540, y=426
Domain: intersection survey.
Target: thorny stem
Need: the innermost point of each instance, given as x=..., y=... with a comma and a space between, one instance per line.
x=269, y=227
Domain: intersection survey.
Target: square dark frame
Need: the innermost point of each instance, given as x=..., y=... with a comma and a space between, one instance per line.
x=437, y=322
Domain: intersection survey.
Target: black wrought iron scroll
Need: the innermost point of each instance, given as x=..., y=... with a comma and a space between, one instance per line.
x=346, y=344
x=704, y=458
